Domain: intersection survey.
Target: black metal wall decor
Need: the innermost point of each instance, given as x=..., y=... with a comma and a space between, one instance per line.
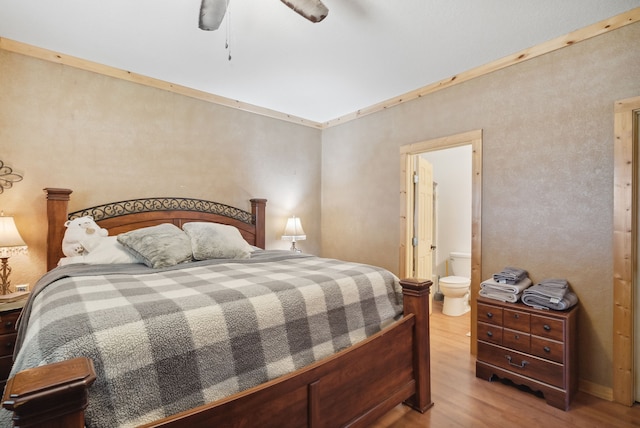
x=7, y=177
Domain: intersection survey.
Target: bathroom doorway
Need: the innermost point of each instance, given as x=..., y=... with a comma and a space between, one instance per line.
x=408, y=154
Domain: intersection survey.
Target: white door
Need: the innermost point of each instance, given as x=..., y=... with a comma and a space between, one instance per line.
x=423, y=219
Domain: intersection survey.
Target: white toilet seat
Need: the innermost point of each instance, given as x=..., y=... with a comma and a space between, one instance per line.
x=455, y=281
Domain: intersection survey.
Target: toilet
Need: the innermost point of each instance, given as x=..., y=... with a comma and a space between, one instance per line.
x=455, y=288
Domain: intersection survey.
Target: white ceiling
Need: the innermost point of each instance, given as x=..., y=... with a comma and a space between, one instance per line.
x=363, y=53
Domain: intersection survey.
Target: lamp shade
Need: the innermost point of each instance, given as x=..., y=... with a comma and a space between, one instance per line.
x=293, y=231
x=10, y=240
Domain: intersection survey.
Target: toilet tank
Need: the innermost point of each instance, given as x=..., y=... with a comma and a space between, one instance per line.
x=460, y=264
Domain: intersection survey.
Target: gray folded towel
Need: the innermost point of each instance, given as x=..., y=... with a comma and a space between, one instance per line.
x=542, y=302
x=492, y=284
x=553, y=293
x=510, y=275
x=503, y=296
x=555, y=282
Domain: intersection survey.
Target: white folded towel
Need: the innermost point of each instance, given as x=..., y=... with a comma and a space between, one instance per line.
x=503, y=296
x=493, y=285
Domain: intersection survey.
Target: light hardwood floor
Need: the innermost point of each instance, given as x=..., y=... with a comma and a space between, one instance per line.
x=462, y=400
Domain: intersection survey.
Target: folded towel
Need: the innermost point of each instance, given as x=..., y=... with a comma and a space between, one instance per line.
x=492, y=284
x=555, y=282
x=510, y=275
x=541, y=302
x=552, y=293
x=503, y=296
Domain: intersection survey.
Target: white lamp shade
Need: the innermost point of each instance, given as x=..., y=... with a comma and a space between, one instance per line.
x=293, y=231
x=10, y=240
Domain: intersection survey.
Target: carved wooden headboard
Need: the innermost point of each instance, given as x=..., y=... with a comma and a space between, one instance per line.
x=123, y=216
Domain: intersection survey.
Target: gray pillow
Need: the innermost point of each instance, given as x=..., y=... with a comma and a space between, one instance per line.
x=216, y=241
x=158, y=246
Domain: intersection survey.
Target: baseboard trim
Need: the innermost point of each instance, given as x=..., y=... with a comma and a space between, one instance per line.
x=600, y=391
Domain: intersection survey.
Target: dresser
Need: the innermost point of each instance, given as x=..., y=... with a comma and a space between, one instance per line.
x=9, y=313
x=530, y=347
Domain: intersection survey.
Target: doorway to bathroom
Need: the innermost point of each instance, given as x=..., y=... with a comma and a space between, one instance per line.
x=410, y=245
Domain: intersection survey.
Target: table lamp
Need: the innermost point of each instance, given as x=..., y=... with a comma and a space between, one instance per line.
x=293, y=232
x=11, y=243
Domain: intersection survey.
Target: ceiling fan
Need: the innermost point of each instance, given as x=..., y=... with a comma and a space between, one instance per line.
x=212, y=11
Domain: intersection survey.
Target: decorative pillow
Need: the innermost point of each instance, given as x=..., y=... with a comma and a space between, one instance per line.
x=216, y=241
x=109, y=251
x=158, y=246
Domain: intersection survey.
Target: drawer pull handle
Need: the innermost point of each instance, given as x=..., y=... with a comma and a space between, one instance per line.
x=489, y=315
x=516, y=316
x=8, y=324
x=521, y=365
x=9, y=345
x=490, y=333
x=517, y=337
x=547, y=327
x=546, y=349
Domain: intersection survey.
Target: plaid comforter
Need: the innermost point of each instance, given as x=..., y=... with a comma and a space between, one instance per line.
x=164, y=341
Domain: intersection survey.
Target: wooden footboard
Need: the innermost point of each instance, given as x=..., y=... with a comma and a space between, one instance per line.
x=351, y=388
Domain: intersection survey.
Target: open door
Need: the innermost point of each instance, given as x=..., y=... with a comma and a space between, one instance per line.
x=423, y=245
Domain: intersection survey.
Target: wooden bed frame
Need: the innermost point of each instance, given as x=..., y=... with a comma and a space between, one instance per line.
x=351, y=388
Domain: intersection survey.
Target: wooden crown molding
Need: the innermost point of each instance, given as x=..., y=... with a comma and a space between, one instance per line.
x=572, y=38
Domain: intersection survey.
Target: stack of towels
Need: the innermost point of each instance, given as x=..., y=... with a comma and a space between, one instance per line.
x=550, y=294
x=506, y=285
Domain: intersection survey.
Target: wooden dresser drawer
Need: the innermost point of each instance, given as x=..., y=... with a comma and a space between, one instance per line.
x=8, y=322
x=550, y=328
x=490, y=333
x=516, y=340
x=546, y=348
x=7, y=343
x=489, y=314
x=523, y=364
x=5, y=366
x=516, y=320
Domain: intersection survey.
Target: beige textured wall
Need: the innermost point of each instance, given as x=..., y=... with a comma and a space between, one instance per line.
x=547, y=174
x=111, y=140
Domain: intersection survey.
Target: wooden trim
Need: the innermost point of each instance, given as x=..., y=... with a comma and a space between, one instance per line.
x=595, y=389
x=625, y=215
x=83, y=64
x=406, y=202
x=569, y=39
x=572, y=38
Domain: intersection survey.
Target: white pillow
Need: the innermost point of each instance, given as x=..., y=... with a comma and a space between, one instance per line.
x=216, y=241
x=109, y=251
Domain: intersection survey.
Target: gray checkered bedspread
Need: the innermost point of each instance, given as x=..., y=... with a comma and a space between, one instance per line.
x=169, y=340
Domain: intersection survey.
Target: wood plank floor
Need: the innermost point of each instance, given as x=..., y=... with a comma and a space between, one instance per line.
x=462, y=400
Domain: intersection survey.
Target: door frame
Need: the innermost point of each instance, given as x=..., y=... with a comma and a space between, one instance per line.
x=407, y=152
x=625, y=243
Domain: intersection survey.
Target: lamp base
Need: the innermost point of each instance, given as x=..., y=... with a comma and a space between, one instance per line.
x=293, y=247
x=5, y=270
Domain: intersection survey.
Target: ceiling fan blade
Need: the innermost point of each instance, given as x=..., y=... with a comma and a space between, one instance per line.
x=313, y=10
x=211, y=14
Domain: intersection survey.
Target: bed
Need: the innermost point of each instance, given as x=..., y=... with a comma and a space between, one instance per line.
x=330, y=375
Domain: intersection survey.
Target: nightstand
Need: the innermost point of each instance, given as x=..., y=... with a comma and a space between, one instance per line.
x=9, y=313
x=531, y=347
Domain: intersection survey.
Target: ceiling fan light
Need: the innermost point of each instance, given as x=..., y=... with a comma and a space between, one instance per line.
x=313, y=10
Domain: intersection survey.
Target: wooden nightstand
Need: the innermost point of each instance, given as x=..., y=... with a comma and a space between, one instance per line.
x=9, y=313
